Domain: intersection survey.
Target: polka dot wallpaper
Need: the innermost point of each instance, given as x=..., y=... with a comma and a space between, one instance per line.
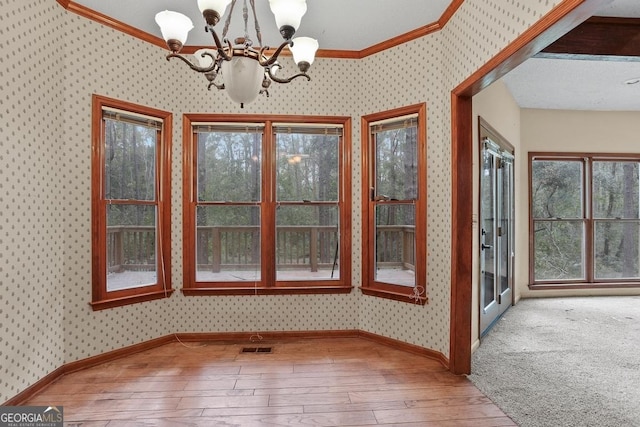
x=45, y=211
x=430, y=68
x=31, y=188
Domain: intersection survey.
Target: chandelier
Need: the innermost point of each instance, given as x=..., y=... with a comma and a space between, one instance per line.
x=246, y=72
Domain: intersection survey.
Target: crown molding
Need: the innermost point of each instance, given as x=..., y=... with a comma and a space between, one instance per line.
x=100, y=18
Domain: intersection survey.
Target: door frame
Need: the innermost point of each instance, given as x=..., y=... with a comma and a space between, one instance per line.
x=563, y=18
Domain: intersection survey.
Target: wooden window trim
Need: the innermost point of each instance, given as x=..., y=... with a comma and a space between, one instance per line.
x=370, y=286
x=101, y=298
x=589, y=282
x=268, y=284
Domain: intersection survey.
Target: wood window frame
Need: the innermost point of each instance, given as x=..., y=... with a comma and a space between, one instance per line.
x=101, y=297
x=371, y=287
x=268, y=285
x=589, y=281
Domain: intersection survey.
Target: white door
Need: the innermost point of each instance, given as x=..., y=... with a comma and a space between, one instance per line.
x=496, y=233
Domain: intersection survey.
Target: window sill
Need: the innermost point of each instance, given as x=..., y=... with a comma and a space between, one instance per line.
x=282, y=290
x=132, y=299
x=568, y=286
x=396, y=296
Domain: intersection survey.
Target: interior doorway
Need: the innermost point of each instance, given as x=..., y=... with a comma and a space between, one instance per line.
x=496, y=226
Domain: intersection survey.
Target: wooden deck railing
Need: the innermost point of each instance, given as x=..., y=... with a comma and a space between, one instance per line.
x=232, y=248
x=237, y=247
x=131, y=248
x=395, y=246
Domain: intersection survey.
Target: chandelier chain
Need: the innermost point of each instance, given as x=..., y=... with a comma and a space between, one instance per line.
x=228, y=21
x=245, y=18
x=257, y=25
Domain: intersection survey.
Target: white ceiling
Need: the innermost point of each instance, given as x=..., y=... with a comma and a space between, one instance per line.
x=579, y=84
x=575, y=85
x=359, y=24
x=337, y=24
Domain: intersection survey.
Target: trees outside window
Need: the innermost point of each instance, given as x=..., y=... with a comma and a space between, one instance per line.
x=394, y=204
x=585, y=219
x=131, y=164
x=267, y=204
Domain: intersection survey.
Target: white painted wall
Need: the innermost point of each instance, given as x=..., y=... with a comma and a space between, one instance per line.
x=542, y=130
x=568, y=131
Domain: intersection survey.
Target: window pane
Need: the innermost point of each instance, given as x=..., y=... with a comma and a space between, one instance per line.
x=615, y=190
x=395, y=244
x=559, y=250
x=488, y=225
x=227, y=243
x=307, y=243
x=557, y=189
x=229, y=166
x=307, y=167
x=131, y=246
x=507, y=237
x=397, y=164
x=616, y=247
x=130, y=161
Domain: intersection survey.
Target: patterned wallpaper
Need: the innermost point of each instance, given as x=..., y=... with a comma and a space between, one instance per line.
x=45, y=193
x=436, y=64
x=31, y=188
x=427, y=325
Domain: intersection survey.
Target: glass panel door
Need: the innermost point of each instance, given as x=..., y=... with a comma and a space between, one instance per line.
x=487, y=235
x=496, y=233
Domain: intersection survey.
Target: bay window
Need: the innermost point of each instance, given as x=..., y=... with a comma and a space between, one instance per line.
x=266, y=204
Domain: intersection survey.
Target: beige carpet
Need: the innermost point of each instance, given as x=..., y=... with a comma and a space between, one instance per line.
x=564, y=362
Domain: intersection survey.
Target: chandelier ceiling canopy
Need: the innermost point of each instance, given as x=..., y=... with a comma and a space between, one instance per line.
x=246, y=72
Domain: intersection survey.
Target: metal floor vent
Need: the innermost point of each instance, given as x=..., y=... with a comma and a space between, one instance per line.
x=256, y=350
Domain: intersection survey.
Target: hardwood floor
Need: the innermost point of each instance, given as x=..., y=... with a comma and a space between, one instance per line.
x=310, y=382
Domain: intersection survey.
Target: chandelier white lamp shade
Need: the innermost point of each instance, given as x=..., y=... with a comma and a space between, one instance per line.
x=288, y=15
x=304, y=51
x=242, y=79
x=175, y=28
x=245, y=71
x=212, y=10
x=218, y=6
